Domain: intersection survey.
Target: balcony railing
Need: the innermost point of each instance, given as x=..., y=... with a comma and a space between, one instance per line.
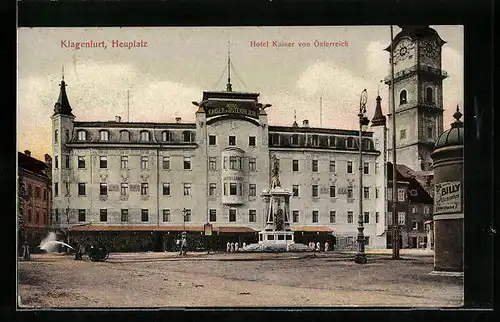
x=417, y=68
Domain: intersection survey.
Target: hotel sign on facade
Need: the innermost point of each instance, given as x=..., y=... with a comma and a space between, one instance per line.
x=448, y=197
x=218, y=107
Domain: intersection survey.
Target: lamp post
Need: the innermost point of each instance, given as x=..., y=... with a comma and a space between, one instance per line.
x=184, y=237
x=363, y=125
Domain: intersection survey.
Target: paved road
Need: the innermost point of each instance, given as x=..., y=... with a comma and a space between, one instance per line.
x=252, y=280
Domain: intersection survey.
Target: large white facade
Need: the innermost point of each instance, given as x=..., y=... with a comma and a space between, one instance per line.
x=128, y=174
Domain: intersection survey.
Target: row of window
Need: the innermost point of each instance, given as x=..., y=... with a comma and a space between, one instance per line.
x=145, y=136
x=429, y=96
x=231, y=140
x=430, y=133
x=56, y=135
x=37, y=192
x=231, y=188
x=318, y=140
x=332, y=166
x=235, y=163
x=36, y=218
x=252, y=216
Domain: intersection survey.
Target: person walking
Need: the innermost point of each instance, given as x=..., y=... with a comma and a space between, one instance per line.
x=313, y=245
x=318, y=246
x=326, y=246
x=228, y=247
x=244, y=244
x=232, y=247
x=236, y=246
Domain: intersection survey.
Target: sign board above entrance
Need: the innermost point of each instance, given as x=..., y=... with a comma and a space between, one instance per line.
x=219, y=107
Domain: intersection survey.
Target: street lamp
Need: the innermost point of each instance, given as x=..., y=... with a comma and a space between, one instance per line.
x=363, y=125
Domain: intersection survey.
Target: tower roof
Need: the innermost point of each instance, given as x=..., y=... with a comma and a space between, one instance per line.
x=453, y=136
x=415, y=32
x=62, y=105
x=378, y=118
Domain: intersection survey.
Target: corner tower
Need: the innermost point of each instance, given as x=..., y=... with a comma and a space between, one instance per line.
x=418, y=90
x=379, y=128
x=62, y=129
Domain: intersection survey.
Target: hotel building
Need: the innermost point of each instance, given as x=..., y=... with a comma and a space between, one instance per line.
x=115, y=178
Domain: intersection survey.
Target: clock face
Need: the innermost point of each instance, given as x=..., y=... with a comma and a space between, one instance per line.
x=403, y=50
x=430, y=49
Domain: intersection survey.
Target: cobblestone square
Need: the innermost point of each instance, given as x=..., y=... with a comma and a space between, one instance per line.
x=235, y=280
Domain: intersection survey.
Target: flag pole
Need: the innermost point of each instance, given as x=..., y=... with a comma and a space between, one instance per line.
x=395, y=224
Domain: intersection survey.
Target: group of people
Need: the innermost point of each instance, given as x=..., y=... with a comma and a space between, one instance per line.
x=317, y=246
x=234, y=247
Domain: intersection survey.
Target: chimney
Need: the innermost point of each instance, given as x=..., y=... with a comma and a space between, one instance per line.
x=48, y=159
x=118, y=119
x=305, y=123
x=177, y=120
x=27, y=152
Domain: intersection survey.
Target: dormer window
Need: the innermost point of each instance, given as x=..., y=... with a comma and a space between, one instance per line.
x=104, y=135
x=295, y=139
x=166, y=136
x=124, y=135
x=315, y=140
x=82, y=135
x=145, y=136
x=429, y=95
x=350, y=143
x=186, y=135
x=275, y=139
x=332, y=141
x=402, y=97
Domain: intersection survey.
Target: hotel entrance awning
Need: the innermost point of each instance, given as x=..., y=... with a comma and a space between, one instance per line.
x=313, y=229
x=189, y=228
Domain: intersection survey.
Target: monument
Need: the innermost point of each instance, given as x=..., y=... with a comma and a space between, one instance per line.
x=277, y=235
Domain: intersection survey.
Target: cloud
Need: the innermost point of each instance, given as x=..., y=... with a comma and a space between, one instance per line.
x=453, y=86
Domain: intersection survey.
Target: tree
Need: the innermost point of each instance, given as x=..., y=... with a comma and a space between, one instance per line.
x=21, y=200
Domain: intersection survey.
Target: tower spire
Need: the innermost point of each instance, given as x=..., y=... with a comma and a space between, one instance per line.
x=63, y=73
x=295, y=118
x=62, y=104
x=229, y=87
x=378, y=118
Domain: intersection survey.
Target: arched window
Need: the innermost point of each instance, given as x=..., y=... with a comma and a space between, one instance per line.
x=82, y=135
x=402, y=97
x=429, y=95
x=104, y=135
x=332, y=141
x=166, y=136
x=186, y=135
x=145, y=136
x=124, y=135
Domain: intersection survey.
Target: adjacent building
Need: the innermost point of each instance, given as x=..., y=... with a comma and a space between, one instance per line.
x=147, y=182
x=413, y=209
x=35, y=198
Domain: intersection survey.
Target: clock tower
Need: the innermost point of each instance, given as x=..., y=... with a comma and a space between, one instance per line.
x=418, y=90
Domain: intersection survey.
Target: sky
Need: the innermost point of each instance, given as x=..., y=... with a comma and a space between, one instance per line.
x=178, y=64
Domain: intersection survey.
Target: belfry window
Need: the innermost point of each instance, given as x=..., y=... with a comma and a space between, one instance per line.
x=429, y=95
x=402, y=97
